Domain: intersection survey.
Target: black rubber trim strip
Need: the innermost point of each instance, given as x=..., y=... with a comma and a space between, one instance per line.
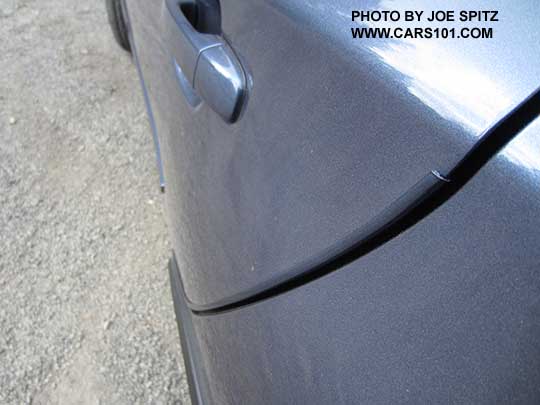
x=335, y=257
x=418, y=202
x=187, y=336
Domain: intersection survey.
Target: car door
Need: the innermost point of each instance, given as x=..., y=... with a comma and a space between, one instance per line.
x=283, y=137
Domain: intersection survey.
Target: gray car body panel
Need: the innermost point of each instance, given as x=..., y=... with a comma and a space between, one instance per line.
x=334, y=130
x=447, y=312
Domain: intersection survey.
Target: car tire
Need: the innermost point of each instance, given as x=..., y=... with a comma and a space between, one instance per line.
x=118, y=23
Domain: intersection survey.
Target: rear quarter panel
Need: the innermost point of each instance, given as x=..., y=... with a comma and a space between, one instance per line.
x=447, y=312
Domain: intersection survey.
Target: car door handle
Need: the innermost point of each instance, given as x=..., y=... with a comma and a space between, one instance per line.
x=206, y=60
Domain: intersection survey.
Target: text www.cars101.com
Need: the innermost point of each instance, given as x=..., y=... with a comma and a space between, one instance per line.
x=422, y=33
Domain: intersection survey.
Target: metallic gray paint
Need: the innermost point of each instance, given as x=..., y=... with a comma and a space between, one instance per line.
x=204, y=63
x=183, y=42
x=335, y=130
x=448, y=312
x=220, y=80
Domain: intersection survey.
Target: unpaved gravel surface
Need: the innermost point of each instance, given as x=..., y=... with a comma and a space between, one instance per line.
x=86, y=313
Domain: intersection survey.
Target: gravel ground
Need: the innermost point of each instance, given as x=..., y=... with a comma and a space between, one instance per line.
x=86, y=313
